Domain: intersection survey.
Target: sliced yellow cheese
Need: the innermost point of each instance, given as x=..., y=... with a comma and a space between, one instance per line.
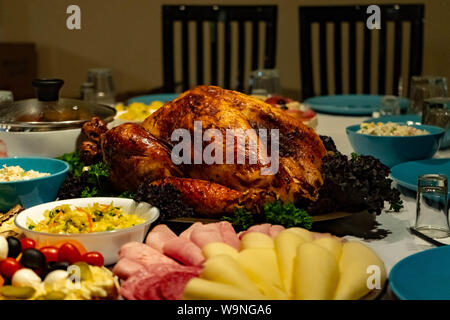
x=256, y=240
x=201, y=289
x=360, y=271
x=316, y=273
x=225, y=269
x=286, y=244
x=219, y=248
x=261, y=267
x=333, y=245
x=305, y=234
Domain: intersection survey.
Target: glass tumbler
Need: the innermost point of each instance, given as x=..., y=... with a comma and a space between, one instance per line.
x=436, y=112
x=6, y=96
x=424, y=87
x=103, y=81
x=389, y=106
x=432, y=206
x=265, y=82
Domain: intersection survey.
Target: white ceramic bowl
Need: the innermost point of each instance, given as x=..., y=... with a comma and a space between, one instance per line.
x=107, y=243
x=38, y=144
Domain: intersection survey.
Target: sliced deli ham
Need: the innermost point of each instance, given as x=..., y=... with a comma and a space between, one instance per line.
x=172, y=284
x=162, y=281
x=229, y=235
x=275, y=230
x=205, y=234
x=143, y=254
x=125, y=267
x=263, y=228
x=186, y=234
x=158, y=236
x=184, y=251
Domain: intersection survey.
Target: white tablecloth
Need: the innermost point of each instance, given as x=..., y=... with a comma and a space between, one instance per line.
x=400, y=243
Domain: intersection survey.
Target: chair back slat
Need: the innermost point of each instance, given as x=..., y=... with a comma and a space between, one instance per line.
x=168, y=59
x=352, y=56
x=227, y=58
x=214, y=53
x=214, y=15
x=354, y=16
x=241, y=56
x=255, y=44
x=306, y=53
x=271, y=38
x=199, y=29
x=323, y=58
x=382, y=44
x=367, y=63
x=185, y=53
x=415, y=62
x=337, y=58
x=398, y=47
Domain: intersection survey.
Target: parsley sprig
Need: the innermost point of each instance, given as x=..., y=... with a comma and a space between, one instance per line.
x=288, y=215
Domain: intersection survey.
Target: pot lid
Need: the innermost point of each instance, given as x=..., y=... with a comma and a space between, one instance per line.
x=48, y=111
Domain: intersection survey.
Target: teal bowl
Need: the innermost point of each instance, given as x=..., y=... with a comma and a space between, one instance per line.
x=394, y=150
x=29, y=193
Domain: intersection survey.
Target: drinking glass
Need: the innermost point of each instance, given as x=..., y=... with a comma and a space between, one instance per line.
x=389, y=106
x=436, y=112
x=424, y=87
x=6, y=96
x=265, y=82
x=432, y=206
x=102, y=79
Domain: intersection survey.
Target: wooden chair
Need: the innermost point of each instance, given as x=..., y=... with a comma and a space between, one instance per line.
x=337, y=15
x=213, y=15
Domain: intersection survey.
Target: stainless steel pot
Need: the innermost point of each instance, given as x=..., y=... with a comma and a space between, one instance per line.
x=47, y=126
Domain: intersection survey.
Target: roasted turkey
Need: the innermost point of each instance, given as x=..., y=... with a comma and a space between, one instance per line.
x=145, y=152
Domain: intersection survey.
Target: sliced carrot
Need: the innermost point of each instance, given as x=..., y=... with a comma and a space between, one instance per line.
x=2, y=281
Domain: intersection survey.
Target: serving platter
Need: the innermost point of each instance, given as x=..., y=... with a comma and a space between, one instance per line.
x=322, y=217
x=349, y=104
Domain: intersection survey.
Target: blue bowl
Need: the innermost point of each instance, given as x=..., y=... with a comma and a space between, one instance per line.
x=394, y=150
x=29, y=193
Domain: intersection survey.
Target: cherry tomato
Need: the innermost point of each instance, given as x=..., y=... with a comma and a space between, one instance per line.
x=50, y=253
x=68, y=252
x=9, y=266
x=93, y=258
x=27, y=243
x=76, y=243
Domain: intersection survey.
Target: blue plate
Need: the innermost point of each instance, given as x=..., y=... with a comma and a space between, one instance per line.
x=163, y=97
x=350, y=104
x=406, y=173
x=423, y=276
x=409, y=119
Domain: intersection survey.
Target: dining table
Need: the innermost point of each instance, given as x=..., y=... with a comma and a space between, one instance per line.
x=387, y=233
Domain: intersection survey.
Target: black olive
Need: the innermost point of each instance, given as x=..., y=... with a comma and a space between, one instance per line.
x=33, y=259
x=58, y=266
x=14, y=247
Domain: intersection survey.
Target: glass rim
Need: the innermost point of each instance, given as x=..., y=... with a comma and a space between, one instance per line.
x=433, y=177
x=429, y=78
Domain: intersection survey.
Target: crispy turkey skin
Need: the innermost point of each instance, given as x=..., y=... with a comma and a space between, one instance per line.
x=143, y=152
